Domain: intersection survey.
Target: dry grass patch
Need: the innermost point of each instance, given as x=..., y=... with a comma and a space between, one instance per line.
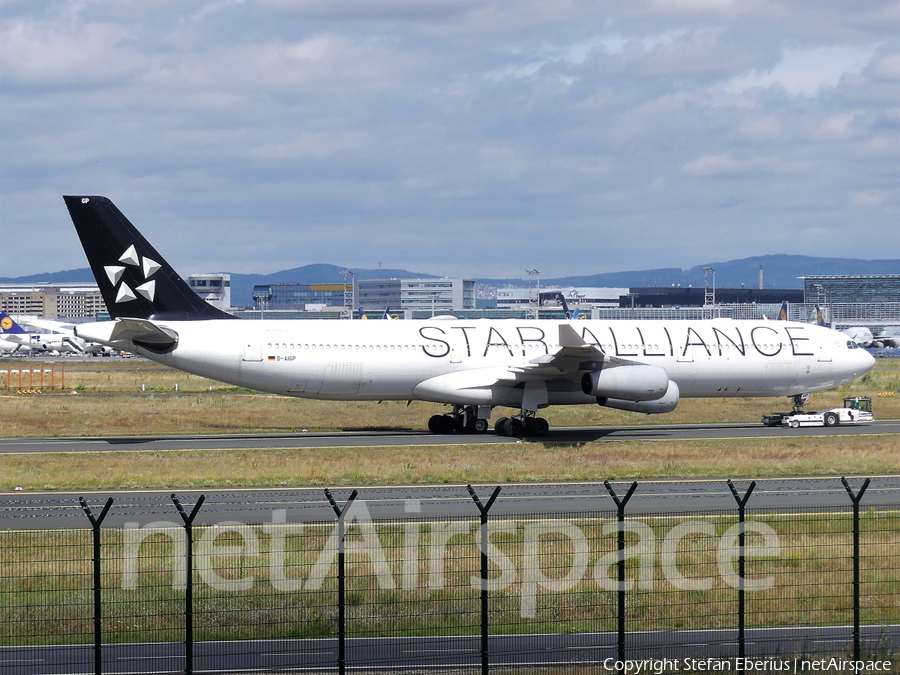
x=501, y=463
x=108, y=401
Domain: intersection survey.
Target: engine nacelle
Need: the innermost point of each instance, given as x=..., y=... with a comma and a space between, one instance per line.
x=630, y=383
x=665, y=404
x=469, y=387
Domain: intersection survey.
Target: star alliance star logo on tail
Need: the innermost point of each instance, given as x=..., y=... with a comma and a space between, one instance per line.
x=148, y=266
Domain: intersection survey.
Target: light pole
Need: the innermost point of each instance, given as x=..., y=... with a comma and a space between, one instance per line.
x=709, y=297
x=434, y=297
x=349, y=294
x=534, y=274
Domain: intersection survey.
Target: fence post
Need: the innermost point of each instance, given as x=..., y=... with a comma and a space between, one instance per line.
x=620, y=565
x=856, y=498
x=342, y=589
x=484, y=509
x=96, y=522
x=189, y=581
x=742, y=503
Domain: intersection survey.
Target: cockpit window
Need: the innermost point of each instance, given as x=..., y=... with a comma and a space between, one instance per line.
x=852, y=345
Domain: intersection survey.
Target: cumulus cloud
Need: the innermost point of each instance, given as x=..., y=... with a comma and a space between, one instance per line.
x=806, y=71
x=455, y=136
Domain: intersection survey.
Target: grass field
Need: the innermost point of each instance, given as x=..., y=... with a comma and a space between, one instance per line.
x=426, y=588
x=104, y=398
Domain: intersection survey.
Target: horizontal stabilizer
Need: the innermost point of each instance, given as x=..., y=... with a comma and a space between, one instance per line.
x=129, y=333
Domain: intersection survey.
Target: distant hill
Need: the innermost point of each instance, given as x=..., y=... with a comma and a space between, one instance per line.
x=780, y=271
x=242, y=284
x=82, y=274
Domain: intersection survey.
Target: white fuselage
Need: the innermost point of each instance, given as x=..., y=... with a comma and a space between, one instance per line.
x=385, y=360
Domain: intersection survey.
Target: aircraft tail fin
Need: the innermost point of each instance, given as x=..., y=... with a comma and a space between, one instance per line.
x=820, y=317
x=565, y=305
x=783, y=312
x=9, y=326
x=134, y=279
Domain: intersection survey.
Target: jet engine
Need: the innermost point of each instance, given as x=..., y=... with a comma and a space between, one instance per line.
x=664, y=404
x=630, y=383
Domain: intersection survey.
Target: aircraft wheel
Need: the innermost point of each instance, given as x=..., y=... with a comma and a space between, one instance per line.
x=441, y=424
x=513, y=428
x=831, y=419
x=436, y=424
x=499, y=426
x=479, y=426
x=541, y=426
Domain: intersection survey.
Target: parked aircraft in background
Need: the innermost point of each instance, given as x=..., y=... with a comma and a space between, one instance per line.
x=66, y=328
x=860, y=335
x=7, y=347
x=887, y=336
x=473, y=366
x=48, y=342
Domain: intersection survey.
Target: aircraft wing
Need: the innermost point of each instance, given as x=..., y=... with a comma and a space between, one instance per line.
x=478, y=386
x=574, y=356
x=48, y=324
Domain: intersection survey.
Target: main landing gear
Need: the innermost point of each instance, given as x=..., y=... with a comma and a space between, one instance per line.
x=527, y=425
x=463, y=420
x=466, y=420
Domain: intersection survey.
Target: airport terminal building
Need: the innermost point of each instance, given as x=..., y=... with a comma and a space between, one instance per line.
x=439, y=295
x=867, y=288
x=52, y=300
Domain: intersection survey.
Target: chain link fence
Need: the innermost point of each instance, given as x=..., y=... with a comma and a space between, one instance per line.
x=547, y=592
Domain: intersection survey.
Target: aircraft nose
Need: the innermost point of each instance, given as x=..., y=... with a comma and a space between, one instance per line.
x=859, y=364
x=867, y=361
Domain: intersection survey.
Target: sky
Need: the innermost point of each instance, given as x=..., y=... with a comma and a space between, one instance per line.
x=459, y=138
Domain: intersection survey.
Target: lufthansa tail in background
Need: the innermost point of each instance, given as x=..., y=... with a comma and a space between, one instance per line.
x=471, y=365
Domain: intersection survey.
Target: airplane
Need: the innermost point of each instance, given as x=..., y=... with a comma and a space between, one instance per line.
x=888, y=336
x=860, y=335
x=8, y=348
x=68, y=329
x=14, y=333
x=474, y=366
